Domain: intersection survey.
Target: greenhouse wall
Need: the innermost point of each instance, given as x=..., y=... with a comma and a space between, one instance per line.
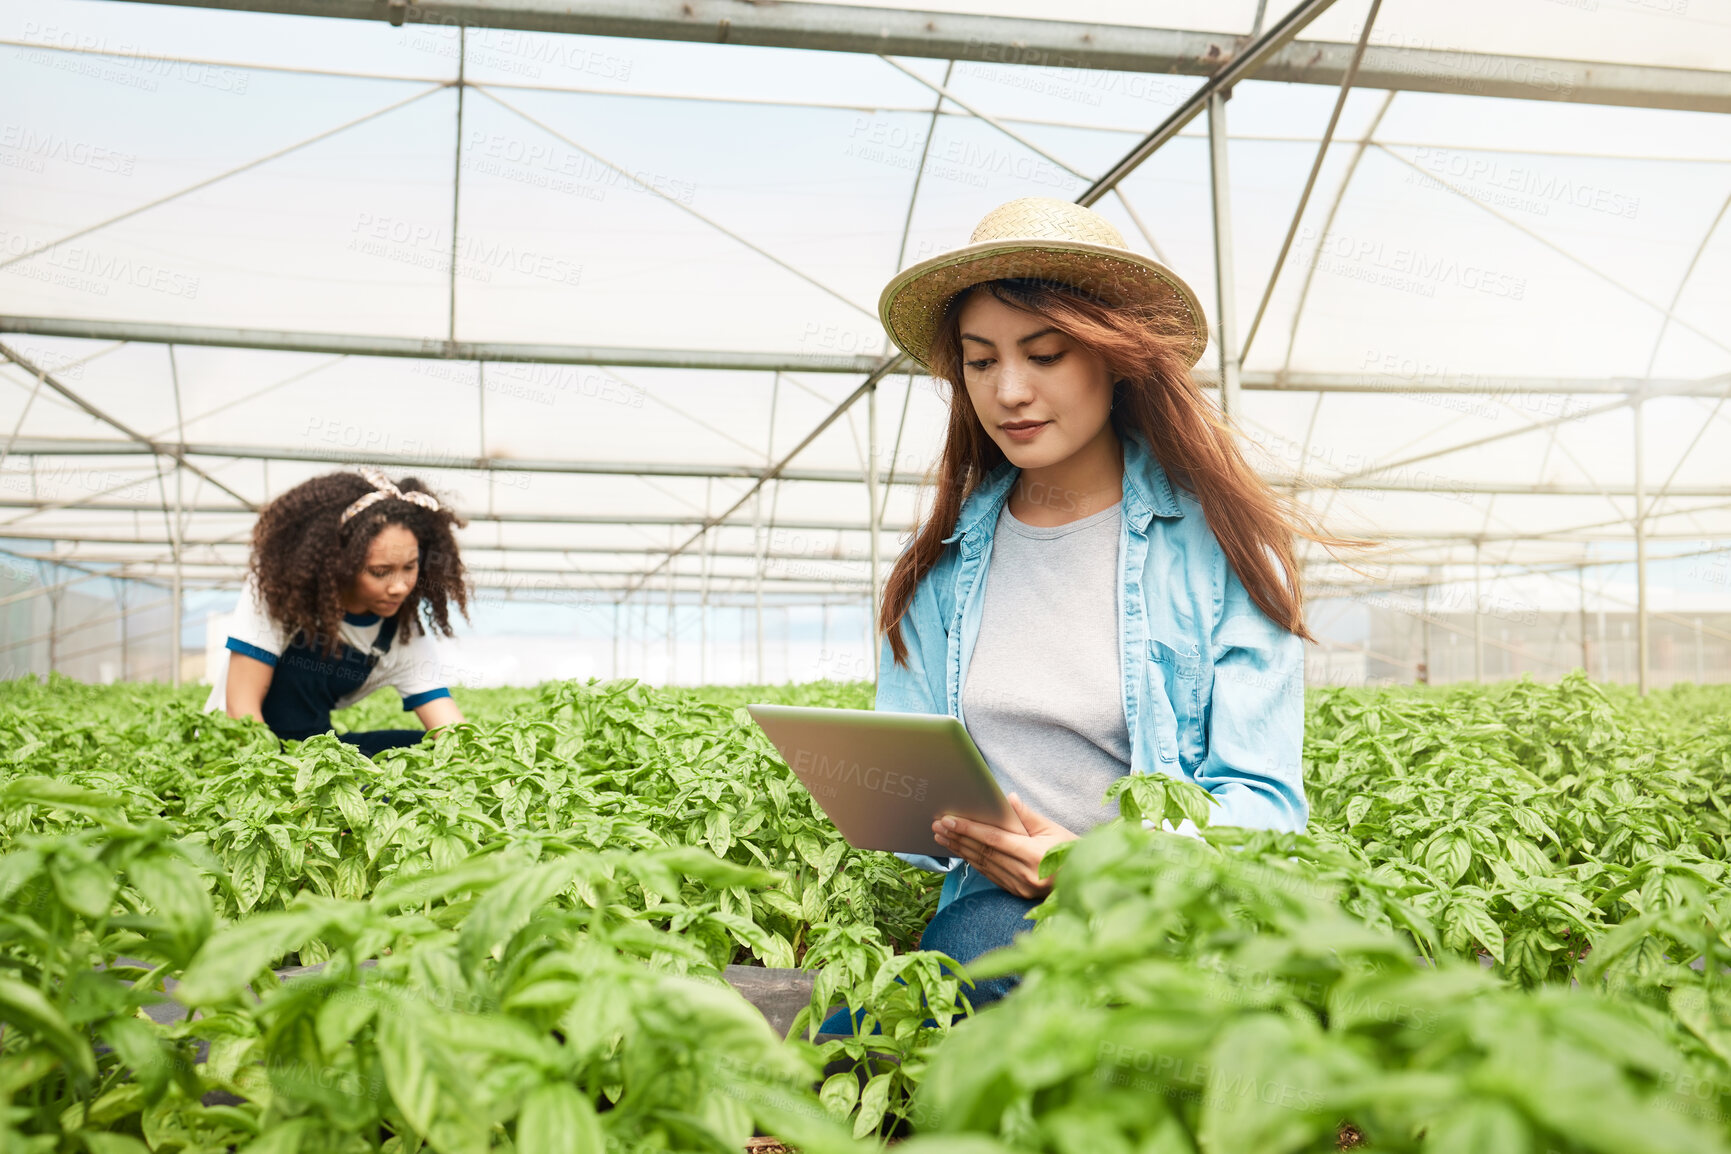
x=98, y=629
x=83, y=626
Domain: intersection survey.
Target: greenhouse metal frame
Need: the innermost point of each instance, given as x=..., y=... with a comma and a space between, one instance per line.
x=191, y=532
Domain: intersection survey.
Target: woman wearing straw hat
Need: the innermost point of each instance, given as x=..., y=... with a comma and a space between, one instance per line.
x=344, y=567
x=1104, y=586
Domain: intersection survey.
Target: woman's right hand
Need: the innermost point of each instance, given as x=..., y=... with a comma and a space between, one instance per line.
x=1010, y=861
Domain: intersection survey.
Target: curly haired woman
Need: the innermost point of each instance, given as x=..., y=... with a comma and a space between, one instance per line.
x=1103, y=586
x=351, y=575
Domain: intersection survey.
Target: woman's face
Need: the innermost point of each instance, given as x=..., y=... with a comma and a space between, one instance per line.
x=1039, y=394
x=388, y=576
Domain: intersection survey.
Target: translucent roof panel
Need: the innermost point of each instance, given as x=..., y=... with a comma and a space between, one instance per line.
x=675, y=250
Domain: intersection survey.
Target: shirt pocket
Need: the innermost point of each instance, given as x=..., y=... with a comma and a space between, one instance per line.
x=1175, y=684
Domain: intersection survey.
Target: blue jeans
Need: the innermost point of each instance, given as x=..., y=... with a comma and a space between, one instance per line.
x=965, y=929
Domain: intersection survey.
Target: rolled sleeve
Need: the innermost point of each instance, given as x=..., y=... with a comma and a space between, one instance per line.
x=251, y=632
x=917, y=687
x=248, y=649
x=416, y=700
x=1255, y=719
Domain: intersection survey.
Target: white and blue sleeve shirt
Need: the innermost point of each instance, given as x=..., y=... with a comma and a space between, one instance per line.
x=414, y=666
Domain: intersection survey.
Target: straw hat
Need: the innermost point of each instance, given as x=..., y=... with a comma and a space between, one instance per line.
x=1045, y=239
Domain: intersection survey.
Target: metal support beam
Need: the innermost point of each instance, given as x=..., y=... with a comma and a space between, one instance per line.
x=653, y=188
x=888, y=366
x=1478, y=619
x=152, y=569
x=53, y=637
x=512, y=580
x=155, y=447
x=42, y=247
x=1323, y=588
x=1575, y=535
x=874, y=513
x=177, y=530
x=1041, y=43
x=1229, y=70
x=1425, y=659
x=759, y=536
x=1505, y=646
x=1475, y=443
x=120, y=588
x=457, y=176
x=1423, y=482
x=1640, y=550
x=45, y=590
x=896, y=451
x=76, y=564
x=241, y=548
x=1669, y=312
x=516, y=582
x=435, y=348
x=55, y=633
x=703, y=605
x=1453, y=487
x=18, y=425
x=484, y=518
x=672, y=677
x=1225, y=282
x=1310, y=181
x=1327, y=228
x=531, y=582
x=1417, y=377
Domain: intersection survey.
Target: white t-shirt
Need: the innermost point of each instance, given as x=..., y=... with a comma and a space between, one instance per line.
x=413, y=666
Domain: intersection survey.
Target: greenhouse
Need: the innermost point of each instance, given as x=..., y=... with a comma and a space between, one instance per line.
x=609, y=284
x=603, y=277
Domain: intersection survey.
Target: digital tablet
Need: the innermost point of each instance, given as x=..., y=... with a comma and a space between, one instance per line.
x=883, y=778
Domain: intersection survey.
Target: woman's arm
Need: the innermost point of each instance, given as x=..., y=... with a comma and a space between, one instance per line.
x=438, y=713
x=918, y=686
x=1255, y=719
x=254, y=645
x=248, y=681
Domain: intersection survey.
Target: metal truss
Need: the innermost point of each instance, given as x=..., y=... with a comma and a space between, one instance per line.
x=1222, y=60
x=507, y=352
x=1044, y=43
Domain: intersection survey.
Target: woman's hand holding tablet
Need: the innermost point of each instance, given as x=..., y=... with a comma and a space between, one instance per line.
x=884, y=778
x=1010, y=861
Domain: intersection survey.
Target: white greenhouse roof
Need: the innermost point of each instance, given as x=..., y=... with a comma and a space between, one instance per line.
x=222, y=232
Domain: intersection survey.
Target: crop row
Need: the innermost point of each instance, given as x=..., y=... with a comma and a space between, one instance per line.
x=1506, y=929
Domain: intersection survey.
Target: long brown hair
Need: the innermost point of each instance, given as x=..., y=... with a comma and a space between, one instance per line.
x=1155, y=397
x=304, y=558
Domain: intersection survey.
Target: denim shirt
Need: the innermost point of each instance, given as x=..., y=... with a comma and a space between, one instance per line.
x=1213, y=689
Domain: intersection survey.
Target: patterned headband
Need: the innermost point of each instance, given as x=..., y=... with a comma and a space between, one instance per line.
x=383, y=488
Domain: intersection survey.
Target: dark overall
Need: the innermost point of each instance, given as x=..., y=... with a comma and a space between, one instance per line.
x=308, y=684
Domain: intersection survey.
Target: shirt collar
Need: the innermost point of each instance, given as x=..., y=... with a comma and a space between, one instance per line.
x=361, y=618
x=985, y=502
x=1147, y=492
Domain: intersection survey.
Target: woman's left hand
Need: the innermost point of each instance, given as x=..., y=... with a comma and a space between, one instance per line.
x=1010, y=861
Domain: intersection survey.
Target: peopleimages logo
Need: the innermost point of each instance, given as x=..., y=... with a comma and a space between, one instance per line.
x=822, y=776
x=1407, y=269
